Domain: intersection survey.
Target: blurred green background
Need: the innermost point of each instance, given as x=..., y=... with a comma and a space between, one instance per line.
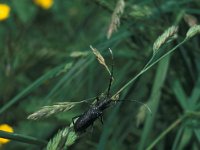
x=45, y=58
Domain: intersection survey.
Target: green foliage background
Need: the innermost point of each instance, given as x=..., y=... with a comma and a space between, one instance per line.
x=45, y=58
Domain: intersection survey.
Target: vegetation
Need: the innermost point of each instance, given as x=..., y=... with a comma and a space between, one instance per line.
x=48, y=71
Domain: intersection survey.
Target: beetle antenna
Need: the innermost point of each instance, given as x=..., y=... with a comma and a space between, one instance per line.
x=141, y=103
x=111, y=74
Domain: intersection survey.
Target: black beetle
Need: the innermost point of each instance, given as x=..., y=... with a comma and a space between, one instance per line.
x=95, y=111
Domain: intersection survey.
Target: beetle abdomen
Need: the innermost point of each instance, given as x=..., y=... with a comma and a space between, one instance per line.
x=87, y=119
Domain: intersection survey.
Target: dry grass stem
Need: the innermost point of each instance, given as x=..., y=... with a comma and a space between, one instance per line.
x=115, y=19
x=100, y=58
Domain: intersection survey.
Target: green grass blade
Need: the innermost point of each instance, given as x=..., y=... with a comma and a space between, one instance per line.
x=177, y=139
x=186, y=138
x=195, y=95
x=164, y=133
x=31, y=87
x=180, y=94
x=197, y=134
x=77, y=68
x=107, y=129
x=154, y=99
x=22, y=138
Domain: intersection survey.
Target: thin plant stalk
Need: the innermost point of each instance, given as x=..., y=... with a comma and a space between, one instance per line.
x=148, y=66
x=22, y=138
x=171, y=127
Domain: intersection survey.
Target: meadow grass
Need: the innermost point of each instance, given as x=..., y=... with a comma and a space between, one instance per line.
x=46, y=60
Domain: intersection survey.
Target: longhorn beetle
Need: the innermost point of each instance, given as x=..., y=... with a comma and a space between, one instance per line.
x=83, y=121
x=96, y=110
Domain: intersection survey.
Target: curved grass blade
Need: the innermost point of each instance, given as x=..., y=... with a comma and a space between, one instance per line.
x=161, y=74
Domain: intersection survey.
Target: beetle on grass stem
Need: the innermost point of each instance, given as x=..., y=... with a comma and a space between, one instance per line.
x=83, y=121
x=95, y=111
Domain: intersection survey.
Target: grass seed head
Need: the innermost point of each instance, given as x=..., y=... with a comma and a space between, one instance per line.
x=47, y=111
x=193, y=31
x=100, y=58
x=168, y=35
x=115, y=19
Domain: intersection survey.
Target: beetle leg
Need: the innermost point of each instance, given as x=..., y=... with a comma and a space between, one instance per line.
x=97, y=99
x=97, y=102
x=75, y=118
x=92, y=126
x=101, y=119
